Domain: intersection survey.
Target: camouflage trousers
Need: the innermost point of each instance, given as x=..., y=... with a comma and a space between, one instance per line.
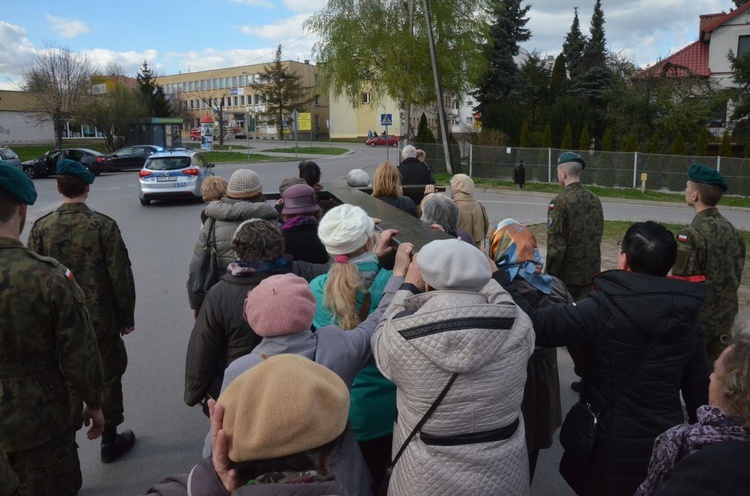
x=114, y=363
x=52, y=468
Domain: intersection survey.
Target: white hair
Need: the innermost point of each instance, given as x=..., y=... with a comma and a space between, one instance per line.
x=408, y=152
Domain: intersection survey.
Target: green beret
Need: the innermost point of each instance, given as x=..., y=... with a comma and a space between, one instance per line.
x=17, y=183
x=566, y=157
x=703, y=174
x=67, y=166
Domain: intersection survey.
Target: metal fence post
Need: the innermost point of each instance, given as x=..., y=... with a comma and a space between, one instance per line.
x=471, y=159
x=635, y=169
x=549, y=165
x=718, y=163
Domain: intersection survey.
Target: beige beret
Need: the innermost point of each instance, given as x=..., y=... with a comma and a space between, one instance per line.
x=285, y=405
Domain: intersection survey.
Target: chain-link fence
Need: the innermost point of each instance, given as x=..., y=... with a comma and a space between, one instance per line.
x=608, y=169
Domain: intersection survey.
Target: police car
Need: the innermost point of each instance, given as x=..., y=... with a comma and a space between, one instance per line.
x=173, y=174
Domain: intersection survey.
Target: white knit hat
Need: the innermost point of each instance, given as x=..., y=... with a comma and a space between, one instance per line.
x=454, y=264
x=345, y=229
x=243, y=184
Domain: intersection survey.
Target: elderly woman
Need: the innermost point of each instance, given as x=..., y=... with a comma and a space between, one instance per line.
x=273, y=431
x=462, y=348
x=387, y=187
x=300, y=216
x=345, y=296
x=244, y=200
x=440, y=212
x=214, y=188
x=220, y=334
x=513, y=248
x=472, y=214
x=310, y=172
x=710, y=457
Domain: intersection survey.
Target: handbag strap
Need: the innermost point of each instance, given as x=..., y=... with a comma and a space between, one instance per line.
x=211, y=238
x=630, y=378
x=421, y=423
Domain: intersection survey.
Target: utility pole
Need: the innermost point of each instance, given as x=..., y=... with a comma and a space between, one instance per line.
x=438, y=91
x=408, y=69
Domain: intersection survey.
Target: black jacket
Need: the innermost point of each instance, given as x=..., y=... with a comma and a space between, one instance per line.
x=302, y=243
x=221, y=334
x=404, y=203
x=415, y=172
x=629, y=317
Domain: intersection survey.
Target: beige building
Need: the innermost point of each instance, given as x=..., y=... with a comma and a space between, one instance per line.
x=240, y=91
x=348, y=121
x=19, y=122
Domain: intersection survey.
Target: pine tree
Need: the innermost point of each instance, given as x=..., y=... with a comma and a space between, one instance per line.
x=558, y=79
x=725, y=149
x=547, y=137
x=678, y=147
x=573, y=48
x=282, y=90
x=631, y=143
x=608, y=141
x=567, y=141
x=596, y=75
x=152, y=94
x=702, y=146
x=525, y=142
x=585, y=142
x=595, y=52
x=655, y=146
x=424, y=133
x=740, y=3
x=502, y=80
x=746, y=150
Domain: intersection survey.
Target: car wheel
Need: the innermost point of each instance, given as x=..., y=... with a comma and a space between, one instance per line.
x=395, y=145
x=30, y=171
x=145, y=202
x=372, y=145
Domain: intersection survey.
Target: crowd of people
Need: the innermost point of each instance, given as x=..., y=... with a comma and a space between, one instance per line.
x=332, y=360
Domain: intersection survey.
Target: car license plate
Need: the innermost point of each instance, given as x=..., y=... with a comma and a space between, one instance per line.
x=160, y=179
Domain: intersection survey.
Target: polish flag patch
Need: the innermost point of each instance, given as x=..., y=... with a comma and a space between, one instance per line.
x=69, y=274
x=682, y=238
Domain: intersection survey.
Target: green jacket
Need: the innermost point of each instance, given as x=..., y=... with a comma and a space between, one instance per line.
x=90, y=244
x=713, y=247
x=575, y=223
x=46, y=341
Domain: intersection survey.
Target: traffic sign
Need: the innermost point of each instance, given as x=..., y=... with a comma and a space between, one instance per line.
x=386, y=119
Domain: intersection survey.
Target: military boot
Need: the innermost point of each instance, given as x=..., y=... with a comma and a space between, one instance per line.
x=114, y=444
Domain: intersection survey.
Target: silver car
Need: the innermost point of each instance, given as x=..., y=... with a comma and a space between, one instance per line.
x=173, y=174
x=10, y=156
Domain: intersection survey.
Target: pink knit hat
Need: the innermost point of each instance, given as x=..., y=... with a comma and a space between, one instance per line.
x=280, y=305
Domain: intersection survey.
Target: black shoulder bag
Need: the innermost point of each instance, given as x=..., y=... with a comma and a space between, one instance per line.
x=383, y=491
x=578, y=431
x=206, y=273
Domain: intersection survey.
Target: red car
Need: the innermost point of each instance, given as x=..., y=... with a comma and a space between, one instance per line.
x=391, y=140
x=195, y=134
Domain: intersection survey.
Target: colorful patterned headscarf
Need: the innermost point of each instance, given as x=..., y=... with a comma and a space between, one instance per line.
x=514, y=249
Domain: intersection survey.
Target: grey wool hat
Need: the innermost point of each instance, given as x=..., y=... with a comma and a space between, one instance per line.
x=454, y=264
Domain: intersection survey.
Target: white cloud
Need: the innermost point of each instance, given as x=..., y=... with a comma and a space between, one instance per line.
x=16, y=54
x=258, y=3
x=308, y=6
x=67, y=27
x=130, y=61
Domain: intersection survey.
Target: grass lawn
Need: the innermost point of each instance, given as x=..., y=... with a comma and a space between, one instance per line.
x=624, y=193
x=314, y=150
x=27, y=152
x=225, y=157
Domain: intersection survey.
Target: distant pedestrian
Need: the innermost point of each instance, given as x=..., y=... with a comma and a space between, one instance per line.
x=713, y=247
x=414, y=172
x=472, y=214
x=91, y=245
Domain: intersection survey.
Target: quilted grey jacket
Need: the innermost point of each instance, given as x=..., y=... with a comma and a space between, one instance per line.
x=485, y=338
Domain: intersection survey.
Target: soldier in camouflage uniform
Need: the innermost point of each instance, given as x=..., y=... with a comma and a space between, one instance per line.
x=47, y=345
x=711, y=246
x=91, y=245
x=575, y=223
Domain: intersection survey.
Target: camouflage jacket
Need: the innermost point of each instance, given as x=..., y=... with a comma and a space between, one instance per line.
x=713, y=247
x=46, y=341
x=575, y=223
x=90, y=244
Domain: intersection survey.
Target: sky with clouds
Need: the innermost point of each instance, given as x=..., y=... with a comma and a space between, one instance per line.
x=182, y=36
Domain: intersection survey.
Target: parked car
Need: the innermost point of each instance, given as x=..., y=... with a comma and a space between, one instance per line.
x=173, y=174
x=240, y=134
x=129, y=157
x=195, y=134
x=10, y=156
x=390, y=140
x=46, y=165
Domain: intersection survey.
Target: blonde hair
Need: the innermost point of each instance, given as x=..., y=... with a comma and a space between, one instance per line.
x=213, y=188
x=421, y=155
x=387, y=181
x=340, y=294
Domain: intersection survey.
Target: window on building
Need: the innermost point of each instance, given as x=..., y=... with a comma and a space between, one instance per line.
x=184, y=87
x=192, y=107
x=256, y=78
x=365, y=97
x=454, y=106
x=221, y=83
x=469, y=103
x=242, y=101
x=743, y=45
x=234, y=81
x=228, y=80
x=317, y=121
x=236, y=101
x=469, y=120
x=203, y=84
x=317, y=100
x=203, y=105
x=227, y=101
x=197, y=103
x=190, y=86
x=195, y=85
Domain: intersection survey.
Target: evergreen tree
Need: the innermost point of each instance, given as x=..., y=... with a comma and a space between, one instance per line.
x=746, y=150
x=740, y=3
x=725, y=148
x=558, y=78
x=424, y=133
x=595, y=51
x=283, y=91
x=535, y=90
x=655, y=146
x=608, y=141
x=152, y=94
x=596, y=75
x=585, y=142
x=502, y=79
x=702, y=146
x=631, y=143
x=678, y=147
x=567, y=141
x=524, y=142
x=547, y=138
x=573, y=48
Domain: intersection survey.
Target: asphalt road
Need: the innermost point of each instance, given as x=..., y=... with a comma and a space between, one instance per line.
x=160, y=239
